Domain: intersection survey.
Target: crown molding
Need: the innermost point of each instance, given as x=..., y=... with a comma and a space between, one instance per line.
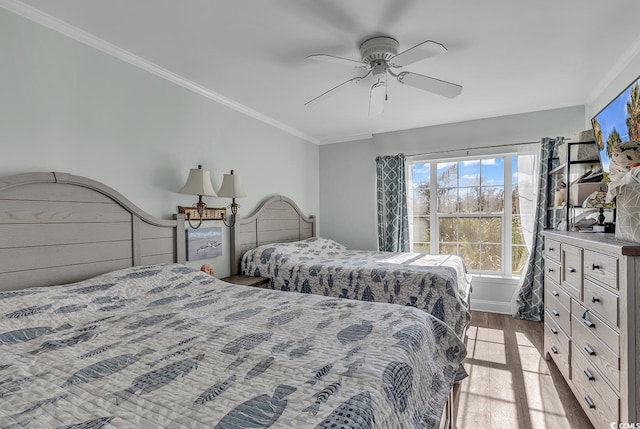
x=55, y=24
x=343, y=139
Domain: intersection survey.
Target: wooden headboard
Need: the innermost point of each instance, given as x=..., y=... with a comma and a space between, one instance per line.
x=57, y=228
x=277, y=220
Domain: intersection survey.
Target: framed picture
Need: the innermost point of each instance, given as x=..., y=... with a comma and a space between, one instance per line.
x=204, y=243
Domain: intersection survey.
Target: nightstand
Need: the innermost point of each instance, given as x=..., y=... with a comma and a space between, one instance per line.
x=261, y=282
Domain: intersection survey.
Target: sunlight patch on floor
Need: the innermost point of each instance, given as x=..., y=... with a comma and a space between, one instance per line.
x=509, y=384
x=486, y=344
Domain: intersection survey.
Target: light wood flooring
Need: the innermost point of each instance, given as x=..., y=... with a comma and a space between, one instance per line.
x=510, y=384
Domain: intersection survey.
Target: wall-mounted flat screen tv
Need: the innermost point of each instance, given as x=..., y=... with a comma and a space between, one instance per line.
x=617, y=123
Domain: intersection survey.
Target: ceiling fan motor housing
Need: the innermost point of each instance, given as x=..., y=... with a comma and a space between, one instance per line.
x=378, y=49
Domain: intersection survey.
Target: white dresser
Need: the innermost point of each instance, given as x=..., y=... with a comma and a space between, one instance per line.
x=592, y=321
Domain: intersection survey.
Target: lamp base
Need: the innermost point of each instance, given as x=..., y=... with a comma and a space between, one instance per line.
x=608, y=227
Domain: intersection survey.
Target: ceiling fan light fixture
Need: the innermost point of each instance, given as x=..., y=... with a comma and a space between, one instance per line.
x=378, y=94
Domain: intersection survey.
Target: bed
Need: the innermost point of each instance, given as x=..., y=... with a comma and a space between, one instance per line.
x=279, y=242
x=166, y=346
x=140, y=340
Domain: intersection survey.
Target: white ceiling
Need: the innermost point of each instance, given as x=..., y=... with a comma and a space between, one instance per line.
x=510, y=56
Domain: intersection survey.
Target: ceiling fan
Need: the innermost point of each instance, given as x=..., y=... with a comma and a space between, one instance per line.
x=380, y=57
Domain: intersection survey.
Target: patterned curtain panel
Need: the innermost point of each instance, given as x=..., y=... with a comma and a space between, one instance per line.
x=393, y=220
x=530, y=300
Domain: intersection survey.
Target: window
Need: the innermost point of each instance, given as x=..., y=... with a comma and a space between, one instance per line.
x=469, y=207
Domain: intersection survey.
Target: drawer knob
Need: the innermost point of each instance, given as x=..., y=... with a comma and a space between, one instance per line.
x=555, y=313
x=571, y=269
x=551, y=249
x=554, y=331
x=595, y=266
x=589, y=375
x=589, y=350
x=589, y=323
x=589, y=401
x=594, y=299
x=555, y=293
x=550, y=270
x=554, y=350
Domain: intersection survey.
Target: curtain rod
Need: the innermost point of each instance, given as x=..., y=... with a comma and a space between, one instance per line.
x=475, y=148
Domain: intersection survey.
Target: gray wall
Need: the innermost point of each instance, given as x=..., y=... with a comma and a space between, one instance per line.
x=67, y=107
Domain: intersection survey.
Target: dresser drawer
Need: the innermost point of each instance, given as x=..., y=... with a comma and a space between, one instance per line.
x=557, y=312
x=598, y=400
x=571, y=276
x=601, y=268
x=596, y=326
x=552, y=270
x=602, y=302
x=552, y=249
x=559, y=294
x=556, y=343
x=597, y=353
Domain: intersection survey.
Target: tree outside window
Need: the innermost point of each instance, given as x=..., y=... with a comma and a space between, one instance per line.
x=459, y=208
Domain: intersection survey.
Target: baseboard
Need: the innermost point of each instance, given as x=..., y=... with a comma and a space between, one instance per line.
x=491, y=306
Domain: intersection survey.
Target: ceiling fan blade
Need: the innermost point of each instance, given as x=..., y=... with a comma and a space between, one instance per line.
x=430, y=84
x=421, y=51
x=333, y=90
x=337, y=60
x=377, y=97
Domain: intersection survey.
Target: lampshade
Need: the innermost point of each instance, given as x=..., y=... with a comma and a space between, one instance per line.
x=199, y=183
x=231, y=187
x=597, y=200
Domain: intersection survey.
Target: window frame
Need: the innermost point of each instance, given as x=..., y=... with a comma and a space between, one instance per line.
x=507, y=215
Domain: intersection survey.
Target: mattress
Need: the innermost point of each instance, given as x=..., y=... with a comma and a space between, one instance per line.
x=168, y=346
x=438, y=284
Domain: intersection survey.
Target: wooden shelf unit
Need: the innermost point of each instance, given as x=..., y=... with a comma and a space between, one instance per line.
x=567, y=172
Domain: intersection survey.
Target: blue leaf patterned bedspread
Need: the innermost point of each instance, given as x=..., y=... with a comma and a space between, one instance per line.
x=438, y=284
x=167, y=346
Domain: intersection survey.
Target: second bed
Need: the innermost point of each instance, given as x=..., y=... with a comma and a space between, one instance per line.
x=279, y=242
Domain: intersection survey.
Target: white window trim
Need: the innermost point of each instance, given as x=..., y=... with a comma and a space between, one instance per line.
x=507, y=256
x=507, y=153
